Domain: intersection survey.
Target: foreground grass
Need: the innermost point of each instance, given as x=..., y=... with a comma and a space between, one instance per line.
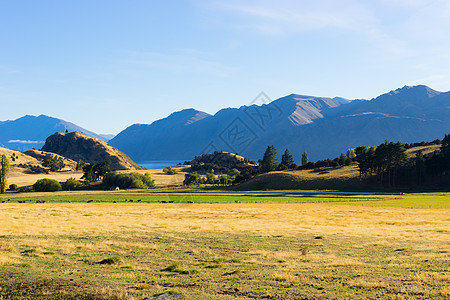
x=223, y=251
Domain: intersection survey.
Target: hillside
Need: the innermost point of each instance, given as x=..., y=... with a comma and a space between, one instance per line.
x=77, y=146
x=40, y=155
x=324, y=179
x=324, y=127
x=329, y=178
x=30, y=131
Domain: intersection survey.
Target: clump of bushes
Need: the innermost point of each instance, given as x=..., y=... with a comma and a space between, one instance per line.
x=47, y=185
x=13, y=187
x=169, y=170
x=129, y=180
x=71, y=184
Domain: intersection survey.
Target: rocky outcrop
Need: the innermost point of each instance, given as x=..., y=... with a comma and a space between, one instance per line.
x=77, y=146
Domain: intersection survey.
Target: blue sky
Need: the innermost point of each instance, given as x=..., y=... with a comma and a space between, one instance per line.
x=105, y=65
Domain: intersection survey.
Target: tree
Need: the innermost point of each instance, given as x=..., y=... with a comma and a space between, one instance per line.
x=95, y=172
x=47, y=185
x=132, y=180
x=169, y=170
x=351, y=153
x=305, y=159
x=192, y=179
x=420, y=166
x=287, y=160
x=71, y=184
x=4, y=174
x=269, y=161
x=211, y=178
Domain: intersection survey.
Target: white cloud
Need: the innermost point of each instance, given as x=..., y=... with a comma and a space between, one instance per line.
x=25, y=142
x=286, y=16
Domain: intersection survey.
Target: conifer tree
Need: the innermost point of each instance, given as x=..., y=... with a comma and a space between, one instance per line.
x=269, y=161
x=305, y=159
x=287, y=160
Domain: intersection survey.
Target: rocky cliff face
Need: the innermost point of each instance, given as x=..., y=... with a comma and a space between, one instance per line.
x=77, y=146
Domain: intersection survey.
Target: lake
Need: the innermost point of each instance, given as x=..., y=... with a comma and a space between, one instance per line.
x=159, y=164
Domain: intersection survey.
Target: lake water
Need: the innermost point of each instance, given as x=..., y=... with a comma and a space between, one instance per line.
x=159, y=164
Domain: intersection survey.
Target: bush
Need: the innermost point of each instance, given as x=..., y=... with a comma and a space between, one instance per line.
x=71, y=184
x=192, y=179
x=109, y=261
x=13, y=187
x=129, y=180
x=38, y=170
x=54, y=163
x=47, y=185
x=169, y=170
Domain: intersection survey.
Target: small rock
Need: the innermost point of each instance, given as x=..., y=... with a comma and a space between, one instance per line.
x=166, y=297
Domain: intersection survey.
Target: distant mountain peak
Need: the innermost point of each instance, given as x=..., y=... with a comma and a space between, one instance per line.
x=185, y=116
x=419, y=90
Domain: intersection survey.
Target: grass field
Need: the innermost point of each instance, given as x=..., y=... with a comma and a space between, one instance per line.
x=390, y=247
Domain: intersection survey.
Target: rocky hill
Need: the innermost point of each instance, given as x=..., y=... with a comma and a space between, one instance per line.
x=77, y=146
x=30, y=132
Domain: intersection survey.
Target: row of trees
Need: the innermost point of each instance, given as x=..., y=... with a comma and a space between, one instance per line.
x=129, y=180
x=233, y=176
x=389, y=164
x=269, y=161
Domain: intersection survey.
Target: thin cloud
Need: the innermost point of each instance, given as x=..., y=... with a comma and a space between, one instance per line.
x=182, y=62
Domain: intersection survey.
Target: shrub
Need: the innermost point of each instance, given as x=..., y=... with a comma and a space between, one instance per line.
x=192, y=179
x=54, y=163
x=71, y=184
x=37, y=170
x=13, y=187
x=129, y=180
x=47, y=185
x=169, y=170
x=109, y=261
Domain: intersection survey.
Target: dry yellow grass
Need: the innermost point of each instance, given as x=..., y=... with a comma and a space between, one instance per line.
x=272, y=250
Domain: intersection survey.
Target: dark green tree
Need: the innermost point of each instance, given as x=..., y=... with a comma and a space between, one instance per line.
x=47, y=185
x=192, y=179
x=420, y=166
x=269, y=160
x=287, y=160
x=94, y=172
x=71, y=184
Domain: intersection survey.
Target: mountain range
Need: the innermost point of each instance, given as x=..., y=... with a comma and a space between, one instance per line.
x=31, y=131
x=324, y=127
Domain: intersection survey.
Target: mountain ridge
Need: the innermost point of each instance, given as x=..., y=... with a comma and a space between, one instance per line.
x=322, y=126
x=30, y=131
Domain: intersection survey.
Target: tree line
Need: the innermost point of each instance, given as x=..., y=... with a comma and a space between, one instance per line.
x=389, y=165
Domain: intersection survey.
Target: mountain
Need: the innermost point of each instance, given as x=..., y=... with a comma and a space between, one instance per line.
x=30, y=131
x=324, y=127
x=190, y=133
x=77, y=146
